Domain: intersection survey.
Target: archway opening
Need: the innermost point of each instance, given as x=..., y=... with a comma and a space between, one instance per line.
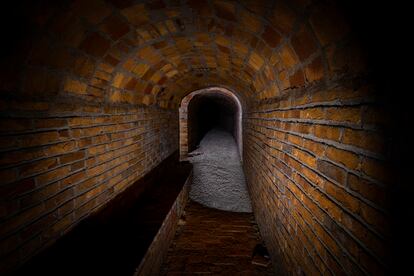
x=207, y=112
x=210, y=138
x=207, y=109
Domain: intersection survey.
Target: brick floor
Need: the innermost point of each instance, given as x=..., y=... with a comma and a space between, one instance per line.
x=214, y=242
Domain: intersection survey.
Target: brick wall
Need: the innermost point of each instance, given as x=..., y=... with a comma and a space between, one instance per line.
x=61, y=162
x=158, y=250
x=315, y=167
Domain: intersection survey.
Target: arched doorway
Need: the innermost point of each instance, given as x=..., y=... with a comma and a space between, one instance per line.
x=225, y=111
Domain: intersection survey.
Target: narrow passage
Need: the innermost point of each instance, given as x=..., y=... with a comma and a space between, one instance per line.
x=214, y=242
x=218, y=234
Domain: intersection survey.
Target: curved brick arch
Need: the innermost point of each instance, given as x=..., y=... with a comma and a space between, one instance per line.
x=90, y=92
x=254, y=48
x=183, y=114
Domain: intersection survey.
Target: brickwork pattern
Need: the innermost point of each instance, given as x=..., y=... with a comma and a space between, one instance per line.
x=59, y=166
x=214, y=242
x=318, y=178
x=314, y=162
x=159, y=51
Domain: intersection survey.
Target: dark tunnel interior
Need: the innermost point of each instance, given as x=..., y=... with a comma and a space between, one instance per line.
x=206, y=112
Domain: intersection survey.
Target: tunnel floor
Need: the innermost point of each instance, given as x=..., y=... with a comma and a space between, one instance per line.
x=214, y=242
x=218, y=177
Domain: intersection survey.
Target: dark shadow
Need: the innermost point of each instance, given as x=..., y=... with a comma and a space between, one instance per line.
x=206, y=112
x=114, y=240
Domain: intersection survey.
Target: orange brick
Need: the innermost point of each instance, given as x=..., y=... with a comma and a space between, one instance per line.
x=304, y=157
x=314, y=71
x=50, y=123
x=364, y=139
x=38, y=167
x=347, y=114
x=52, y=175
x=331, y=171
x=75, y=86
x=59, y=148
x=316, y=113
x=346, y=158
x=327, y=132
x=346, y=200
x=71, y=157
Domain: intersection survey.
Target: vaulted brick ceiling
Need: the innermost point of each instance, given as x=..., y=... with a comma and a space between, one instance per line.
x=156, y=52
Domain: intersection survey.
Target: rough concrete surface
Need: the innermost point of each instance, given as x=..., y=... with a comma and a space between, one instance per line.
x=218, y=180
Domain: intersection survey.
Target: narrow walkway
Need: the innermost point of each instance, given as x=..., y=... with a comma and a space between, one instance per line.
x=214, y=242
x=218, y=178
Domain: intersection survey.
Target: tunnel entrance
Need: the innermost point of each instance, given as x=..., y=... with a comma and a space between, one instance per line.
x=205, y=109
x=210, y=122
x=207, y=112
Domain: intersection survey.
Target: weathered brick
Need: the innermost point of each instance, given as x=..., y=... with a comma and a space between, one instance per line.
x=347, y=114
x=331, y=171
x=75, y=86
x=52, y=175
x=348, y=159
x=364, y=139
x=71, y=157
x=288, y=56
x=50, y=123
x=368, y=190
x=37, y=167
x=297, y=79
x=41, y=138
x=327, y=132
x=314, y=71
x=59, y=148
x=136, y=14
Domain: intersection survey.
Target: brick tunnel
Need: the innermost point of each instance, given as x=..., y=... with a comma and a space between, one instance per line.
x=95, y=117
